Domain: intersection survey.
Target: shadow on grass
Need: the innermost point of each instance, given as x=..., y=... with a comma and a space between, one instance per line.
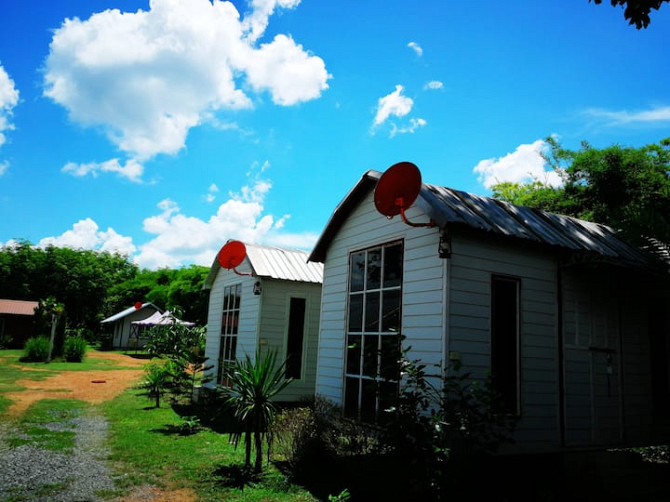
x=235, y=476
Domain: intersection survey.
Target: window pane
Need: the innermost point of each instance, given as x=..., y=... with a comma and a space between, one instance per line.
x=504, y=340
x=357, y=272
x=354, y=355
x=389, y=364
x=391, y=311
x=388, y=395
x=370, y=355
x=351, y=397
x=356, y=313
x=392, y=266
x=372, y=312
x=368, y=400
x=374, y=269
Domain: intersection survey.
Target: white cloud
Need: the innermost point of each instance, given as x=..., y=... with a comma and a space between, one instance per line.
x=413, y=125
x=394, y=104
x=177, y=239
x=85, y=234
x=524, y=165
x=149, y=77
x=180, y=239
x=416, y=48
x=434, y=85
x=256, y=22
x=211, y=191
x=131, y=169
x=625, y=117
x=9, y=98
x=398, y=106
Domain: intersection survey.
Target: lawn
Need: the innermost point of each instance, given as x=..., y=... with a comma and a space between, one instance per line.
x=148, y=445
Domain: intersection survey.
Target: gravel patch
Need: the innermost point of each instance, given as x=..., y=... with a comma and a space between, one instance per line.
x=29, y=473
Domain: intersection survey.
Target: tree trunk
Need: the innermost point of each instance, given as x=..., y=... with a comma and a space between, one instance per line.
x=258, y=437
x=247, y=446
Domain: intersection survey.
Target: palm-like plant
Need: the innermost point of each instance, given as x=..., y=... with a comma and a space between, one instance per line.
x=252, y=385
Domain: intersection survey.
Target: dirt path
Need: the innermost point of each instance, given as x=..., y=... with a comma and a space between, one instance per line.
x=91, y=386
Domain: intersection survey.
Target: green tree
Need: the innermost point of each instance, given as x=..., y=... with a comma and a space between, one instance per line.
x=636, y=11
x=253, y=385
x=625, y=188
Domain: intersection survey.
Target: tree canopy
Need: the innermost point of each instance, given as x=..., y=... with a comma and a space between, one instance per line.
x=625, y=188
x=636, y=11
x=93, y=285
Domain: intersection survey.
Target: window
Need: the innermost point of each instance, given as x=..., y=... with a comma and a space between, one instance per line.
x=229, y=323
x=296, y=334
x=505, y=341
x=372, y=370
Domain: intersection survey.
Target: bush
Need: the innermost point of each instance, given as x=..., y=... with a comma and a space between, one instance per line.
x=36, y=349
x=74, y=349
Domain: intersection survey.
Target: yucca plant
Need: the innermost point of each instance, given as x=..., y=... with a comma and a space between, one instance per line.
x=252, y=385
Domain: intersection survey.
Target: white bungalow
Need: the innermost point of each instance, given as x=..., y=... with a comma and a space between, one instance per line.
x=270, y=301
x=121, y=324
x=564, y=314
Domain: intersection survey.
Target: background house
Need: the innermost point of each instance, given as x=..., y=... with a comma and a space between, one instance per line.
x=17, y=321
x=120, y=325
x=562, y=313
x=275, y=307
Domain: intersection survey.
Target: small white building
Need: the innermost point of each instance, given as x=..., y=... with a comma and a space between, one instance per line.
x=273, y=305
x=563, y=314
x=121, y=324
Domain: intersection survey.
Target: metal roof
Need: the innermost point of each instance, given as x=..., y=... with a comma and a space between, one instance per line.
x=128, y=311
x=275, y=263
x=18, y=307
x=454, y=208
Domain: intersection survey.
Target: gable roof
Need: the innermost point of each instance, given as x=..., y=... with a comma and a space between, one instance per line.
x=18, y=307
x=449, y=207
x=275, y=263
x=128, y=311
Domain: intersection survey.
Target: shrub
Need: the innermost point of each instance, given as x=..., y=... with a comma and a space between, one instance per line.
x=157, y=379
x=74, y=349
x=36, y=349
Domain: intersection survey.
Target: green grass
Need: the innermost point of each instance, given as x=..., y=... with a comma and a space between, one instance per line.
x=147, y=446
x=35, y=426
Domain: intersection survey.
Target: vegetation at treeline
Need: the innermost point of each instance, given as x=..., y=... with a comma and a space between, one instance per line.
x=625, y=188
x=93, y=285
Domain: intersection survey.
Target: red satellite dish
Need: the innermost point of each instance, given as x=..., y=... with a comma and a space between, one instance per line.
x=138, y=305
x=397, y=190
x=231, y=255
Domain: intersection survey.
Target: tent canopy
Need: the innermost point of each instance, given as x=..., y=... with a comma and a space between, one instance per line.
x=158, y=319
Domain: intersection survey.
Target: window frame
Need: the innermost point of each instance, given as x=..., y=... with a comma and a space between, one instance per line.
x=510, y=395
x=228, y=338
x=359, y=361
x=303, y=337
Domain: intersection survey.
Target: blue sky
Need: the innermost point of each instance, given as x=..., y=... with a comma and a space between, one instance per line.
x=162, y=129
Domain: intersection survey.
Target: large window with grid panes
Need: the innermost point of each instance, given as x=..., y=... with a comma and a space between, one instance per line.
x=372, y=368
x=229, y=325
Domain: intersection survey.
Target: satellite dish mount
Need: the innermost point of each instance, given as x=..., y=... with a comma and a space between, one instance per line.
x=231, y=255
x=397, y=190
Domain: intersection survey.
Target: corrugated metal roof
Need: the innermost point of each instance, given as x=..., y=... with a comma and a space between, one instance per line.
x=18, y=307
x=276, y=263
x=449, y=207
x=128, y=311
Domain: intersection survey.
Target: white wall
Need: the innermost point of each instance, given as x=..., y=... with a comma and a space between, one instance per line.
x=249, y=316
x=423, y=308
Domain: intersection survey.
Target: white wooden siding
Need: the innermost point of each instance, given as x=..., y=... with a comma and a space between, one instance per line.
x=248, y=321
x=422, y=296
x=473, y=263
x=274, y=329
